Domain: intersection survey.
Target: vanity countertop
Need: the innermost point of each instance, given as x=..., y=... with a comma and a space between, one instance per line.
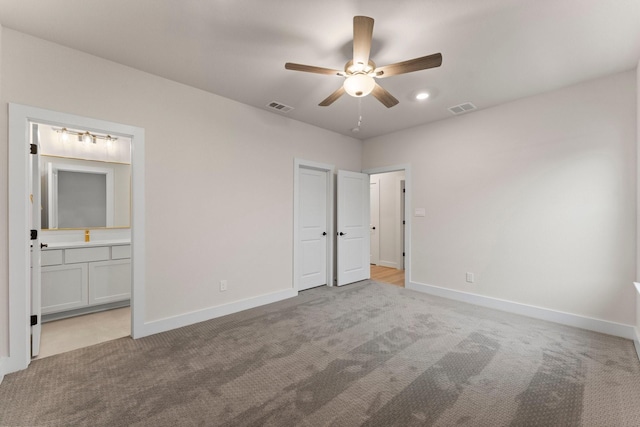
x=65, y=245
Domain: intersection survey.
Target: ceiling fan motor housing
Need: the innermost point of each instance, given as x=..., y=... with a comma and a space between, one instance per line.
x=351, y=68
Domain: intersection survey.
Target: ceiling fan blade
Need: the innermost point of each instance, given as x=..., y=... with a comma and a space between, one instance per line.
x=383, y=96
x=362, y=35
x=423, y=63
x=333, y=97
x=312, y=69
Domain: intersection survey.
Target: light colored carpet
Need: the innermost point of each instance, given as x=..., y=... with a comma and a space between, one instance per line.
x=365, y=354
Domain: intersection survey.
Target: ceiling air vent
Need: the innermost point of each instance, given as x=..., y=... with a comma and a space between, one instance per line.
x=279, y=107
x=462, y=108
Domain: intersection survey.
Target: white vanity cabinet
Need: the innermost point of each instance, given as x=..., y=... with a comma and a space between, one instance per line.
x=82, y=276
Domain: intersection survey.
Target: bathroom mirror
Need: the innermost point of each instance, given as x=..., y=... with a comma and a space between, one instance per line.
x=85, y=178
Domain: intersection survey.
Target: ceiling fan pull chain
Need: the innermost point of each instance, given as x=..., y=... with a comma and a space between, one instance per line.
x=357, y=128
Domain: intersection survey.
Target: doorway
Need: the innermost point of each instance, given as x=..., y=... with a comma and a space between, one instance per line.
x=388, y=227
x=81, y=191
x=23, y=324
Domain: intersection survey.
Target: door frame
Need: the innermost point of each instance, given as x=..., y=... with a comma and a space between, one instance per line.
x=19, y=296
x=329, y=171
x=407, y=209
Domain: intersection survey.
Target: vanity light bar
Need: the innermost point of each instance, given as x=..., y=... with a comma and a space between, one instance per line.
x=85, y=136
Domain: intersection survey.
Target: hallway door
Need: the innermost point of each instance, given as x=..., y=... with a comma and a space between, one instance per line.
x=375, y=220
x=353, y=227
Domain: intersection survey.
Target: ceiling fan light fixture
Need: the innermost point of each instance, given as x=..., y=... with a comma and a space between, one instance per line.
x=65, y=134
x=87, y=138
x=422, y=95
x=359, y=85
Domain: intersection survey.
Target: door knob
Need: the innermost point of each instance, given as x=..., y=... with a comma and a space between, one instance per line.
x=342, y=234
x=324, y=233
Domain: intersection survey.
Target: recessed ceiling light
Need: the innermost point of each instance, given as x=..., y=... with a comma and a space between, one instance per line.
x=422, y=95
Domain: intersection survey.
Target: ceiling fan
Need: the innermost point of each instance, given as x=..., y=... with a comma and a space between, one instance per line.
x=360, y=72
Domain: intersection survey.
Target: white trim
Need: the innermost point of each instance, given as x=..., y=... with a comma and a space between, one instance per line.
x=329, y=169
x=407, y=206
x=636, y=337
x=388, y=264
x=568, y=319
x=19, y=299
x=179, y=321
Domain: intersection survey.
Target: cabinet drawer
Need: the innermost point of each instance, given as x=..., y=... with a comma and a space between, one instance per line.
x=53, y=257
x=121, y=252
x=100, y=253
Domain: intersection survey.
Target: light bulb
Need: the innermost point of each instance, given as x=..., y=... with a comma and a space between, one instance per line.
x=86, y=138
x=65, y=135
x=359, y=85
x=422, y=95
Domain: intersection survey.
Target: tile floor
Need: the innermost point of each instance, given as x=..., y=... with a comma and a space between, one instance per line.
x=69, y=334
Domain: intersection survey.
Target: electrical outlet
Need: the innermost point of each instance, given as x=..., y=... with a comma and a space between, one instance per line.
x=470, y=277
x=223, y=285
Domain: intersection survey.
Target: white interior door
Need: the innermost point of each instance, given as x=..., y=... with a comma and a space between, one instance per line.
x=312, y=228
x=404, y=222
x=374, y=225
x=35, y=220
x=353, y=227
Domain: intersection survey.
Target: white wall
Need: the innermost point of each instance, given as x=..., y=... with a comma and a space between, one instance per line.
x=4, y=231
x=637, y=276
x=536, y=197
x=389, y=225
x=219, y=174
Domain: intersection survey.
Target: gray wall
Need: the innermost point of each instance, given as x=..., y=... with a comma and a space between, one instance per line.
x=536, y=197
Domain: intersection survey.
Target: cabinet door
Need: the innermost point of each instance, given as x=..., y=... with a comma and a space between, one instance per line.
x=109, y=281
x=64, y=287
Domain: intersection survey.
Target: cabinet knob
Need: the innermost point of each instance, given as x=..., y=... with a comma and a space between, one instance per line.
x=43, y=245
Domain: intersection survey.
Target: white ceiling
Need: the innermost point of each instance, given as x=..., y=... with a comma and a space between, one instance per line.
x=494, y=51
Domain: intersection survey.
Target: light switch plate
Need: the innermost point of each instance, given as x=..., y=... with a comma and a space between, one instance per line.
x=419, y=212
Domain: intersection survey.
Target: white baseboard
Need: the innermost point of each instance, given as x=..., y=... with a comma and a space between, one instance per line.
x=169, y=323
x=389, y=264
x=588, y=323
x=2, y=372
x=636, y=337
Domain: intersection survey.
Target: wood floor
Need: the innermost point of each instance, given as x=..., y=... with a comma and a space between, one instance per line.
x=387, y=275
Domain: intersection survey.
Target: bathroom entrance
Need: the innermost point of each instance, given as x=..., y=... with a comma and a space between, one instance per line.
x=87, y=271
x=81, y=197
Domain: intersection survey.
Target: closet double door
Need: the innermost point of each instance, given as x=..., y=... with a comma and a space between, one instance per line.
x=351, y=238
